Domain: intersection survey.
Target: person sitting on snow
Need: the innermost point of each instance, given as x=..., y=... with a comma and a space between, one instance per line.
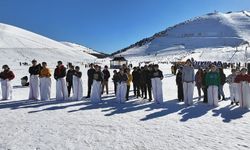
x=34, y=71
x=6, y=76
x=61, y=88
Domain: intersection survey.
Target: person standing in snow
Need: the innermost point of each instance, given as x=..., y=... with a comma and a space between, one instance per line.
x=136, y=81
x=61, y=88
x=106, y=76
x=148, y=82
x=188, y=82
x=34, y=71
x=115, y=80
x=121, y=86
x=69, y=78
x=222, y=82
x=130, y=78
x=96, y=90
x=45, y=82
x=179, y=84
x=77, y=84
x=198, y=81
x=156, y=81
x=204, y=86
x=243, y=80
x=233, y=87
x=213, y=82
x=5, y=77
x=90, y=73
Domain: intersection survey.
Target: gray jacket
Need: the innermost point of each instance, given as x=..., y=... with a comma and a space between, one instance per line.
x=188, y=74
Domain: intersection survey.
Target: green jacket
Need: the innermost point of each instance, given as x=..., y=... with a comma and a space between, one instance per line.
x=213, y=78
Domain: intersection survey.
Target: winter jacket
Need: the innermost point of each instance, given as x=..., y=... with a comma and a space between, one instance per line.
x=98, y=76
x=60, y=72
x=242, y=78
x=115, y=78
x=78, y=74
x=223, y=78
x=90, y=73
x=7, y=74
x=231, y=79
x=136, y=77
x=106, y=75
x=69, y=76
x=130, y=78
x=178, y=79
x=198, y=79
x=35, y=70
x=213, y=78
x=188, y=74
x=157, y=74
x=122, y=78
x=45, y=72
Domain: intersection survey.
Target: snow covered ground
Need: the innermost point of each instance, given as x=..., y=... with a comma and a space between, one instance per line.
x=140, y=125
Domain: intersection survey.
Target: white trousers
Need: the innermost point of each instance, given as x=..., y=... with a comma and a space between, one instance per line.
x=212, y=95
x=6, y=89
x=244, y=94
x=77, y=88
x=188, y=92
x=34, y=87
x=61, y=89
x=45, y=88
x=96, y=89
x=121, y=92
x=233, y=92
x=157, y=90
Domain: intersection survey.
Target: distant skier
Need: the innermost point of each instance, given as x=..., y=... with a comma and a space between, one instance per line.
x=5, y=77
x=106, y=76
x=90, y=73
x=188, y=79
x=77, y=84
x=156, y=81
x=121, y=86
x=61, y=88
x=213, y=82
x=179, y=84
x=243, y=80
x=34, y=71
x=45, y=82
x=69, y=78
x=96, y=89
x=233, y=87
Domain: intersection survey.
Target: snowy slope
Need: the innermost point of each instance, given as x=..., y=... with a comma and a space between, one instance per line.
x=80, y=47
x=208, y=32
x=17, y=44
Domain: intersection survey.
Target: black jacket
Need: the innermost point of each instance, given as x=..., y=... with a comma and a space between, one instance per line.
x=136, y=77
x=60, y=72
x=122, y=78
x=90, y=73
x=157, y=74
x=179, y=78
x=78, y=74
x=35, y=70
x=98, y=76
x=69, y=76
x=106, y=75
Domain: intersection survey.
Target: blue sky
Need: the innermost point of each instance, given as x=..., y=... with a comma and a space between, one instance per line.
x=107, y=25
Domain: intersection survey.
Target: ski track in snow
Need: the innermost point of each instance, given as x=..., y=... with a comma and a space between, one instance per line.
x=137, y=124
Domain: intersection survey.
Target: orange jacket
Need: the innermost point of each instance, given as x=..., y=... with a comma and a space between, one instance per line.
x=45, y=72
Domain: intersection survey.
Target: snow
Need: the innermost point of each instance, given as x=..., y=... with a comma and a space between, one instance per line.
x=80, y=48
x=137, y=124
x=213, y=33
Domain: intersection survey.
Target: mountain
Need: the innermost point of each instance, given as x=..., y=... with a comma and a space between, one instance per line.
x=211, y=31
x=85, y=49
x=17, y=44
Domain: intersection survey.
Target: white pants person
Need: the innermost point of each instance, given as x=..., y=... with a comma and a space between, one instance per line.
x=34, y=87
x=77, y=88
x=6, y=89
x=121, y=92
x=96, y=89
x=188, y=92
x=61, y=89
x=244, y=95
x=157, y=90
x=45, y=88
x=233, y=92
x=212, y=95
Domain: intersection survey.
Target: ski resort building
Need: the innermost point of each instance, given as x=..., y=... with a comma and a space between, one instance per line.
x=117, y=62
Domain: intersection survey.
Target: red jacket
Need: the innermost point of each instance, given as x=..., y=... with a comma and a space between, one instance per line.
x=7, y=75
x=240, y=78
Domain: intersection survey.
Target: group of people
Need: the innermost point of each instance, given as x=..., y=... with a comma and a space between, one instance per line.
x=211, y=81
